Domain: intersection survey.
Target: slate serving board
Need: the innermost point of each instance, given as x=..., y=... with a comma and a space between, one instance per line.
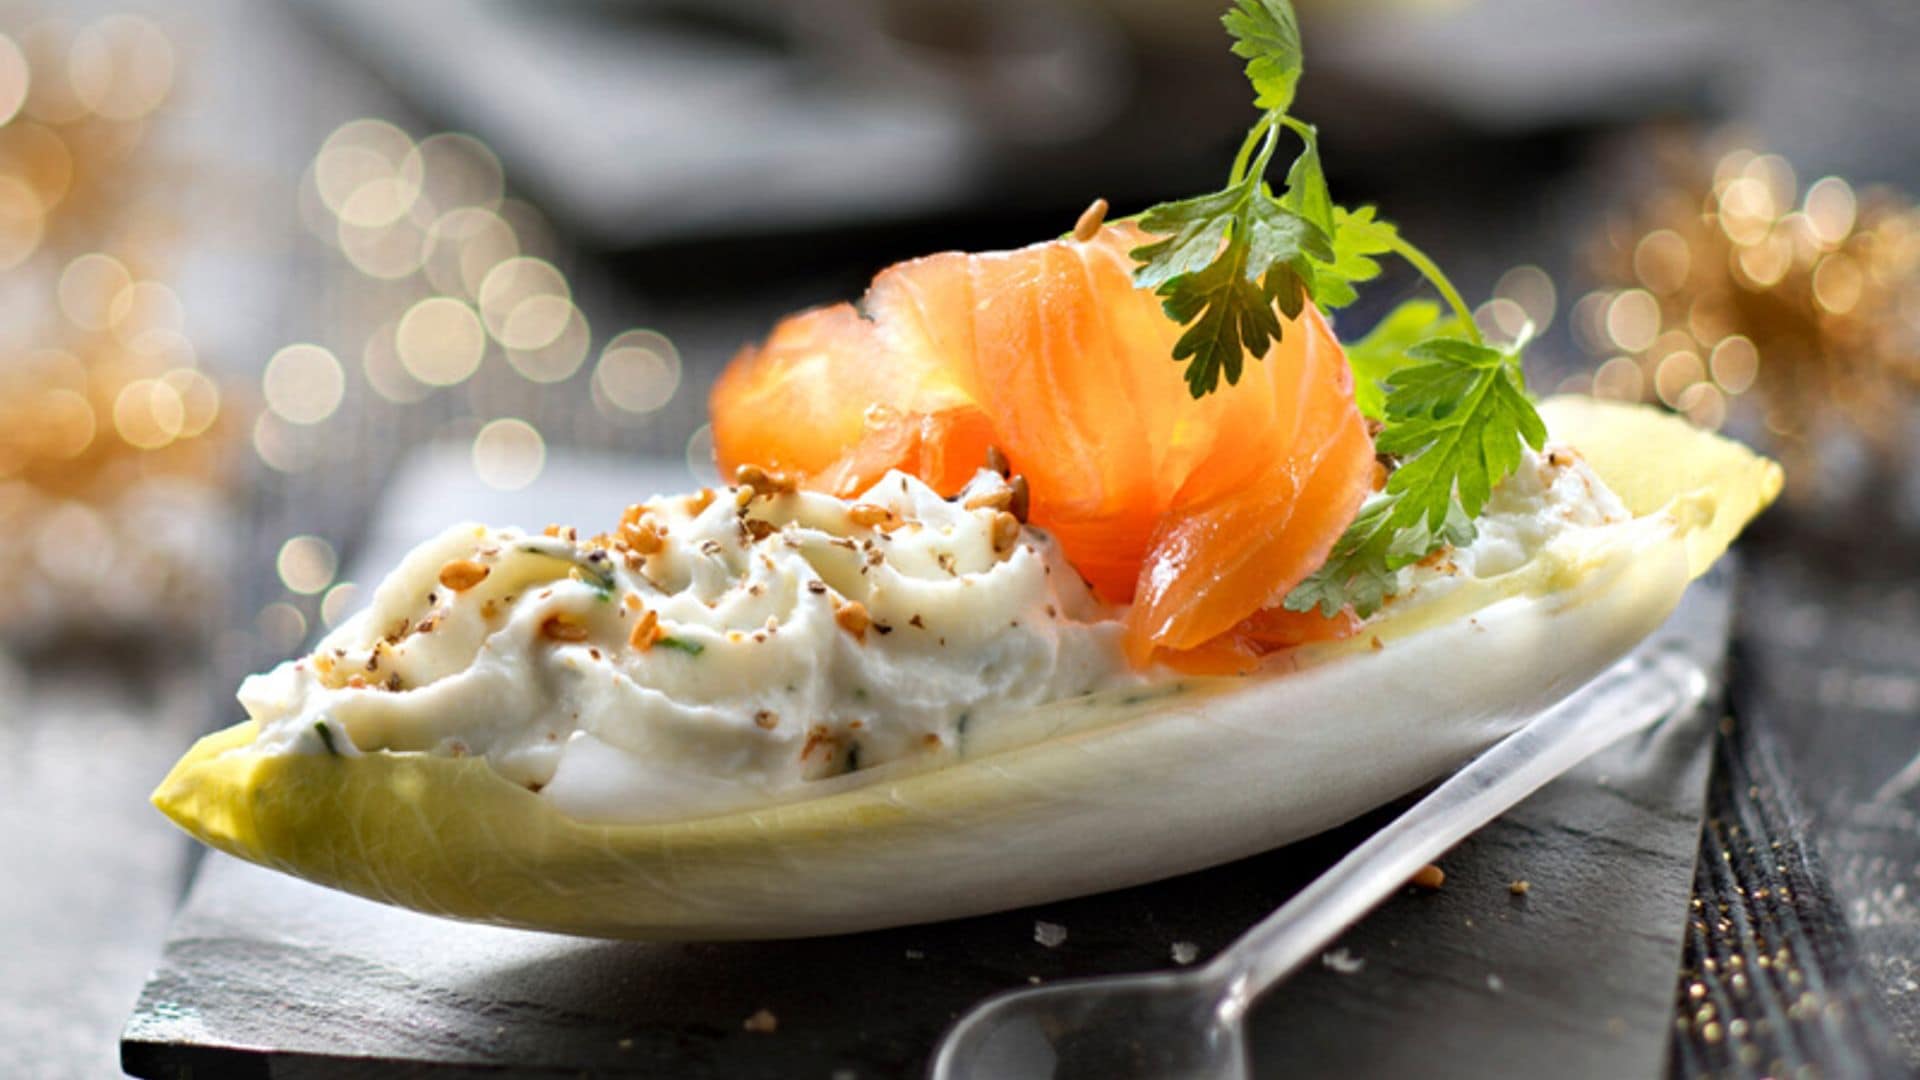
x=264, y=975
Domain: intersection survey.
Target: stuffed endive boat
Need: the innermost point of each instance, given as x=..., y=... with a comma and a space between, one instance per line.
x=997, y=610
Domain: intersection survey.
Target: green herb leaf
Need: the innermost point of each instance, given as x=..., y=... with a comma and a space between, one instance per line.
x=1227, y=260
x=691, y=648
x=1457, y=418
x=1267, y=36
x=1363, y=569
x=321, y=729
x=1383, y=351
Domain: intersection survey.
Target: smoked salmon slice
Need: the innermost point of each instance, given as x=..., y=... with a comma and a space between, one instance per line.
x=1201, y=514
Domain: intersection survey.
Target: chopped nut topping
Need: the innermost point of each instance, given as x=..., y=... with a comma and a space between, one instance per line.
x=642, y=536
x=562, y=627
x=631, y=601
x=762, y=1023
x=853, y=618
x=463, y=574
x=997, y=461
x=870, y=516
x=760, y=529
x=1090, y=221
x=762, y=483
x=1006, y=532
x=1022, y=499
x=699, y=502
x=646, y=631
x=817, y=737
x=357, y=683
x=996, y=500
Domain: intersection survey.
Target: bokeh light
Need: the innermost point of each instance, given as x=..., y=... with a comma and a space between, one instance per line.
x=440, y=341
x=303, y=384
x=306, y=564
x=340, y=601
x=13, y=78
x=559, y=357
x=638, y=372
x=281, y=627
x=380, y=363
x=512, y=284
x=121, y=67
x=1532, y=290
x=22, y=221
x=88, y=287
x=508, y=454
x=700, y=461
x=1633, y=320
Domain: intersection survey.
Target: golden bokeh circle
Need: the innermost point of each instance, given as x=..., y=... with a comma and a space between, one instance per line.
x=440, y=341
x=22, y=222
x=380, y=362
x=512, y=283
x=1532, y=289
x=121, y=67
x=638, y=372
x=14, y=79
x=558, y=358
x=508, y=454
x=306, y=564
x=88, y=287
x=66, y=423
x=303, y=384
x=1735, y=364
x=1633, y=320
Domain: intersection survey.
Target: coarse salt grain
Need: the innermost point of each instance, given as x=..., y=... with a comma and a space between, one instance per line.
x=1051, y=935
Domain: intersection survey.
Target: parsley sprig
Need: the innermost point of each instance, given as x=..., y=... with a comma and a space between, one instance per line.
x=1453, y=409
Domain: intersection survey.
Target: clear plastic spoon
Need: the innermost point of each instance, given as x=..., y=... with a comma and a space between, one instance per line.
x=1173, y=1025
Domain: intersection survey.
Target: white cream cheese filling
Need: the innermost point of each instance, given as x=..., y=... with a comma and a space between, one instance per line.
x=746, y=646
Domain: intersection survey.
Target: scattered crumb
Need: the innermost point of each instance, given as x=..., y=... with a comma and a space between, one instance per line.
x=916, y=954
x=845, y=1074
x=1428, y=877
x=1520, y=887
x=1185, y=952
x=625, y=1044
x=1342, y=961
x=1034, y=979
x=763, y=1022
x=1496, y=984
x=1051, y=935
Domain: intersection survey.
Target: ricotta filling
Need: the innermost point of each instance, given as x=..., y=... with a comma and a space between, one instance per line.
x=746, y=646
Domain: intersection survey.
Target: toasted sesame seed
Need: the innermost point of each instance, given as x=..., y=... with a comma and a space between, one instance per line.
x=853, y=618
x=463, y=574
x=646, y=631
x=1090, y=221
x=562, y=627
x=1428, y=877
x=871, y=516
x=763, y=482
x=1006, y=532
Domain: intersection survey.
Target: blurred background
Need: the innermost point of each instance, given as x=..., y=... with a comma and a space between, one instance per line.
x=252, y=255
